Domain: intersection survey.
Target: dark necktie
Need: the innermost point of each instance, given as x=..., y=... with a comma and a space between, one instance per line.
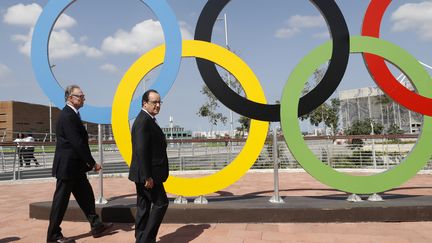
x=79, y=115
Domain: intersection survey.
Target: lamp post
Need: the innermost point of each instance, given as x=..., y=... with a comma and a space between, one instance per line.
x=50, y=121
x=50, y=113
x=228, y=74
x=171, y=126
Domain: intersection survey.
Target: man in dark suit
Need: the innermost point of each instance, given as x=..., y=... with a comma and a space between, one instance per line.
x=149, y=169
x=72, y=159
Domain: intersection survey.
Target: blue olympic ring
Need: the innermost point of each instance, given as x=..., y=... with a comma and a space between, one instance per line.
x=102, y=115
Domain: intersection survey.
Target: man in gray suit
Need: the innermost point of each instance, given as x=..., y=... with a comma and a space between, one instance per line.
x=149, y=169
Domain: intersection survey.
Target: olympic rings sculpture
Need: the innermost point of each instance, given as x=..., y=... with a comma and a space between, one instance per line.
x=318, y=95
x=102, y=115
x=255, y=107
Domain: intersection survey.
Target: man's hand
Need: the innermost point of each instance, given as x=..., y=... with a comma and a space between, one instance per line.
x=97, y=167
x=149, y=183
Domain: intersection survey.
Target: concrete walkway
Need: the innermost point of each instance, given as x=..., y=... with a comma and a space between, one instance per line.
x=15, y=225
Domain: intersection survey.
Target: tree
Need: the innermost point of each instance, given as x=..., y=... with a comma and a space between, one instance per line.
x=244, y=125
x=209, y=109
x=328, y=112
x=394, y=129
x=332, y=117
x=384, y=101
x=364, y=127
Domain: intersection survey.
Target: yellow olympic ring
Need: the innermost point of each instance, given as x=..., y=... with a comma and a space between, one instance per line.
x=233, y=64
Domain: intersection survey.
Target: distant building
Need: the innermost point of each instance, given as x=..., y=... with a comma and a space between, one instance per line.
x=176, y=132
x=16, y=117
x=370, y=102
x=211, y=134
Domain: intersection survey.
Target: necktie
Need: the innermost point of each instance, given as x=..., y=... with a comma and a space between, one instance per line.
x=79, y=115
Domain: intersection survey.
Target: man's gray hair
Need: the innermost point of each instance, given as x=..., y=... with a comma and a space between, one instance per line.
x=69, y=89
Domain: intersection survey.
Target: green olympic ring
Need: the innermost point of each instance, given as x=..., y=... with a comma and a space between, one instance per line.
x=380, y=182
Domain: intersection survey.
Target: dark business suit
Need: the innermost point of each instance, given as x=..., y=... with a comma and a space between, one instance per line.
x=149, y=160
x=72, y=160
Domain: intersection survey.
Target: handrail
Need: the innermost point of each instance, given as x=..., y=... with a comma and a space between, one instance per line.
x=215, y=140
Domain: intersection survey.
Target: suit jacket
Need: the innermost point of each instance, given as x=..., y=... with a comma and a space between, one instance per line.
x=72, y=158
x=149, y=156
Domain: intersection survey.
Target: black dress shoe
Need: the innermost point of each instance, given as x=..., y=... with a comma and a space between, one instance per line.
x=62, y=240
x=101, y=230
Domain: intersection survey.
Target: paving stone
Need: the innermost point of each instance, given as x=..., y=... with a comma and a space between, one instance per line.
x=15, y=223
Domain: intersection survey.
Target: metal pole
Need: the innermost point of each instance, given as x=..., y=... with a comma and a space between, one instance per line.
x=50, y=121
x=276, y=198
x=50, y=110
x=101, y=199
x=226, y=30
x=2, y=153
x=229, y=76
x=43, y=150
x=372, y=132
x=373, y=147
x=171, y=126
x=410, y=122
x=2, y=157
x=14, y=162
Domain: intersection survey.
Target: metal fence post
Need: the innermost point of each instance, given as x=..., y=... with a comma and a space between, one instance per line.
x=178, y=147
x=43, y=150
x=231, y=150
x=2, y=157
x=275, y=198
x=2, y=152
x=101, y=199
x=373, y=154
x=14, y=163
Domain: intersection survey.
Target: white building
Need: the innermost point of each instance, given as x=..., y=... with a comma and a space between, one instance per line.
x=370, y=102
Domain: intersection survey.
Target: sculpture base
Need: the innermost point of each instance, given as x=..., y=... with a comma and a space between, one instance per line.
x=258, y=209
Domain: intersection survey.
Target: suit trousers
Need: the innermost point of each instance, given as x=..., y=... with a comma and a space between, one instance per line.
x=149, y=217
x=83, y=193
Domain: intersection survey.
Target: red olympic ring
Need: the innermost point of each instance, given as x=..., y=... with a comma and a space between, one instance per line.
x=379, y=70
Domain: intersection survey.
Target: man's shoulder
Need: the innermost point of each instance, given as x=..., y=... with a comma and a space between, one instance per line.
x=67, y=111
x=142, y=121
x=143, y=117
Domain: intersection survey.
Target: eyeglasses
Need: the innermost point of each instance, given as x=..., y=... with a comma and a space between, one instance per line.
x=155, y=102
x=78, y=96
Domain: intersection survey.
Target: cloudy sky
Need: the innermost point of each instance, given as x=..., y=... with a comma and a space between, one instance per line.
x=94, y=42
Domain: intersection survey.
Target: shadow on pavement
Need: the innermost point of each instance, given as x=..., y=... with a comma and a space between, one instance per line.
x=184, y=234
x=113, y=230
x=9, y=239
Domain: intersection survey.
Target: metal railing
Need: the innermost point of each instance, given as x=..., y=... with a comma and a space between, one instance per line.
x=375, y=152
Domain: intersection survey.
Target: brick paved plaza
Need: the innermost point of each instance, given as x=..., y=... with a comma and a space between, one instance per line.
x=16, y=226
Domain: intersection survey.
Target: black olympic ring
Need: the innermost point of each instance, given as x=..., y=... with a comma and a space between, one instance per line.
x=324, y=89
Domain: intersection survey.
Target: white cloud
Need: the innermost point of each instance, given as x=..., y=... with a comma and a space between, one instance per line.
x=303, y=21
x=185, y=31
x=322, y=35
x=62, y=45
x=27, y=15
x=141, y=38
x=4, y=70
x=296, y=23
x=286, y=33
x=109, y=68
x=416, y=17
